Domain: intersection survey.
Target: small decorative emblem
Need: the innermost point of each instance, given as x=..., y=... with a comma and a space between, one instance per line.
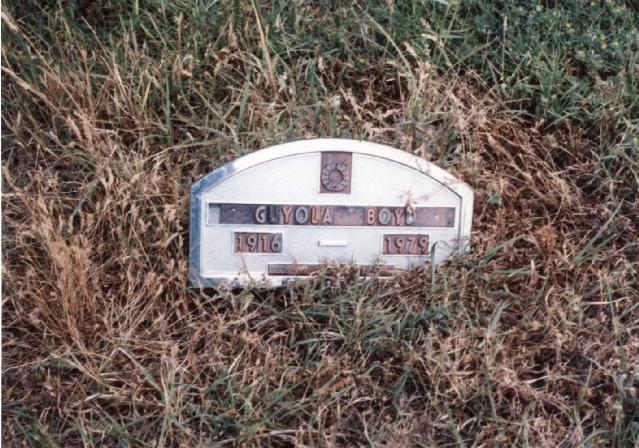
x=335, y=172
x=335, y=176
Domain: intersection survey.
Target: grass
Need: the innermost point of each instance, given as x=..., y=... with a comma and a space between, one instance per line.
x=110, y=111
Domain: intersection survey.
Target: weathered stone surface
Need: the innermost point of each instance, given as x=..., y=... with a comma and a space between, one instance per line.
x=280, y=212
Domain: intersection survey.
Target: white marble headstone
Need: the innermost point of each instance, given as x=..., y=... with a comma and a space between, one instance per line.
x=280, y=212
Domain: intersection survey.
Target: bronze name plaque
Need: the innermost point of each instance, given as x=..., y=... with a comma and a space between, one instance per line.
x=334, y=215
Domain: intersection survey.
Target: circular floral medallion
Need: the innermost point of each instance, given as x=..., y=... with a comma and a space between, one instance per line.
x=335, y=176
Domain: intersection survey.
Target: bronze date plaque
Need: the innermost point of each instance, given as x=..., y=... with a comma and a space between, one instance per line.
x=405, y=244
x=257, y=243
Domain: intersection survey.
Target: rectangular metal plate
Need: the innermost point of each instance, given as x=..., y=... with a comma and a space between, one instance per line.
x=405, y=244
x=334, y=215
x=335, y=176
x=257, y=243
x=294, y=269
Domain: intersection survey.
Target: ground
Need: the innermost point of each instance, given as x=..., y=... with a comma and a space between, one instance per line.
x=110, y=110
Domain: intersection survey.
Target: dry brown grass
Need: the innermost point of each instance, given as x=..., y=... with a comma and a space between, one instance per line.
x=531, y=340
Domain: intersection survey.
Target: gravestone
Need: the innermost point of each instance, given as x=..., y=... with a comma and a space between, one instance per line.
x=279, y=213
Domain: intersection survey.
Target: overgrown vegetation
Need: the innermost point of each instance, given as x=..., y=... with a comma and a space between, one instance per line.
x=110, y=110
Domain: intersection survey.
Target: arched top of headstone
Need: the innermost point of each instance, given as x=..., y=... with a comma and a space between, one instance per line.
x=327, y=145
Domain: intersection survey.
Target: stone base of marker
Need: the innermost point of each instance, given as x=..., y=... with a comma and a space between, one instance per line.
x=279, y=213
